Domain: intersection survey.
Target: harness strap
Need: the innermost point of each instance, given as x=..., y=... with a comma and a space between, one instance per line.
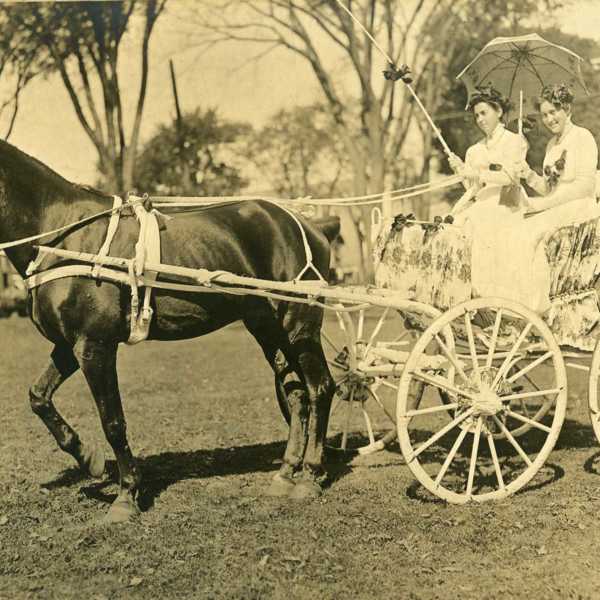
x=110, y=234
x=307, y=250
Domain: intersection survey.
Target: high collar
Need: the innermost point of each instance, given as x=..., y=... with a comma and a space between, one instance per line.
x=496, y=134
x=568, y=127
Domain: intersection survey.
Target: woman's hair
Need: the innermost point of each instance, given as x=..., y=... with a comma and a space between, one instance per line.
x=491, y=96
x=560, y=95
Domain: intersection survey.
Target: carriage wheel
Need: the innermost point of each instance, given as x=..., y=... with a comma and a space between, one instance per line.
x=593, y=391
x=499, y=345
x=366, y=350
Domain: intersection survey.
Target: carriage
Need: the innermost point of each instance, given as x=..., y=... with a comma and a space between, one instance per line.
x=474, y=388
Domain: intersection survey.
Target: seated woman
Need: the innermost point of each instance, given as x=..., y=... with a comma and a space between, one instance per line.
x=567, y=189
x=571, y=157
x=494, y=200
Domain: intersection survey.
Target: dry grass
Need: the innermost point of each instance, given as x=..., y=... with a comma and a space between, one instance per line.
x=203, y=420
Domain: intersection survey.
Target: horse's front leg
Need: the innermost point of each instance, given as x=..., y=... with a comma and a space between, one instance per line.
x=62, y=365
x=98, y=361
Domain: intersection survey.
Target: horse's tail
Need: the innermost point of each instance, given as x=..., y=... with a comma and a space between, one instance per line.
x=328, y=226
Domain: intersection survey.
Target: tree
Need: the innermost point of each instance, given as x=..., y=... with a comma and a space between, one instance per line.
x=298, y=153
x=426, y=34
x=195, y=157
x=80, y=41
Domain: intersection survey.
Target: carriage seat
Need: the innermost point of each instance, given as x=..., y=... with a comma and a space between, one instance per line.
x=431, y=265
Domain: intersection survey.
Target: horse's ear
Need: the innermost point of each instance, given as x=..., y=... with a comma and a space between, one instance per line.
x=329, y=227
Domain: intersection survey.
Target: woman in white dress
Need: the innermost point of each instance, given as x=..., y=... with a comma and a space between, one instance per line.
x=494, y=200
x=567, y=196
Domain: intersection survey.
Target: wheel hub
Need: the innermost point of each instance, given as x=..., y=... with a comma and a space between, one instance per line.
x=487, y=402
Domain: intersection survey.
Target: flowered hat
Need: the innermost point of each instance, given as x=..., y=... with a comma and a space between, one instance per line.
x=559, y=94
x=490, y=95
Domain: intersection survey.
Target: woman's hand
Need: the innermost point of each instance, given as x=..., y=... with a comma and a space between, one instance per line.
x=456, y=164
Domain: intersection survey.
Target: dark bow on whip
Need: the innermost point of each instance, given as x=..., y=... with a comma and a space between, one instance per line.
x=394, y=73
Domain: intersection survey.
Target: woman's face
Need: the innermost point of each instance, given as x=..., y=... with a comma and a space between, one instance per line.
x=487, y=117
x=554, y=118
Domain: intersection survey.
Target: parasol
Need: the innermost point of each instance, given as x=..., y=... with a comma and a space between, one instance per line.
x=518, y=67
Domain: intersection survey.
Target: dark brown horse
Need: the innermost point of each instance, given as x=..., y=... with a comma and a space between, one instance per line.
x=87, y=319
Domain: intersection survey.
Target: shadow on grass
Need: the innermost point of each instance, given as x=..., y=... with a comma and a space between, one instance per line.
x=163, y=470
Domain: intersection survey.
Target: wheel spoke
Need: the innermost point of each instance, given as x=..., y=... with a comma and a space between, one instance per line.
x=531, y=422
x=531, y=394
x=524, y=407
x=511, y=439
x=472, y=350
x=347, y=423
x=451, y=455
x=361, y=324
x=432, y=409
x=330, y=342
x=492, y=445
x=491, y=349
x=441, y=383
x=335, y=406
x=399, y=337
x=377, y=328
x=443, y=431
x=381, y=404
x=369, y=426
x=529, y=367
x=451, y=358
x=505, y=365
x=474, y=451
x=388, y=384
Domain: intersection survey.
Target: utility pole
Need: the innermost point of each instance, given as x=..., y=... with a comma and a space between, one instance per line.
x=187, y=186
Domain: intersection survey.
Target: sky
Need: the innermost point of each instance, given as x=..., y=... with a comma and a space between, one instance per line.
x=222, y=78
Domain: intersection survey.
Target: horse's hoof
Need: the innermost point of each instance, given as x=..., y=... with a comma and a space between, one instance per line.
x=280, y=486
x=121, y=511
x=306, y=490
x=93, y=461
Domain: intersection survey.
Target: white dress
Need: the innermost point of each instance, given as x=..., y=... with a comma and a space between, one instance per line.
x=494, y=210
x=570, y=201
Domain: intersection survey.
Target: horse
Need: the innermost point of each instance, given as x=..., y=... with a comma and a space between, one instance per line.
x=86, y=319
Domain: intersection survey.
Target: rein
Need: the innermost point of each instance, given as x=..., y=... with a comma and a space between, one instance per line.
x=33, y=238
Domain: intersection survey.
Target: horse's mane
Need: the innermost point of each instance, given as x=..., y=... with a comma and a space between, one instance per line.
x=13, y=158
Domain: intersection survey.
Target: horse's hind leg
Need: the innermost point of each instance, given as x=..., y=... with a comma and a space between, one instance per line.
x=98, y=361
x=291, y=395
x=62, y=365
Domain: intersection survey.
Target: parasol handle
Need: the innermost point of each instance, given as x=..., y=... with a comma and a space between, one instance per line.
x=520, y=112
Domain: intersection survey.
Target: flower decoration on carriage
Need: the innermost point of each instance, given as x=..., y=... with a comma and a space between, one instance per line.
x=553, y=172
x=488, y=93
x=558, y=94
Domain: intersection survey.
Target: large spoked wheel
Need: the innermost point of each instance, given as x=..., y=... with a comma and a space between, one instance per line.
x=461, y=441
x=594, y=382
x=366, y=351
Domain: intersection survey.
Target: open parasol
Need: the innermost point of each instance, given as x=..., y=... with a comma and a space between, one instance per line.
x=518, y=67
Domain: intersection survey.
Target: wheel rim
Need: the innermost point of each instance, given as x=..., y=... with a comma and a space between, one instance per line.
x=366, y=352
x=467, y=450
x=593, y=391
